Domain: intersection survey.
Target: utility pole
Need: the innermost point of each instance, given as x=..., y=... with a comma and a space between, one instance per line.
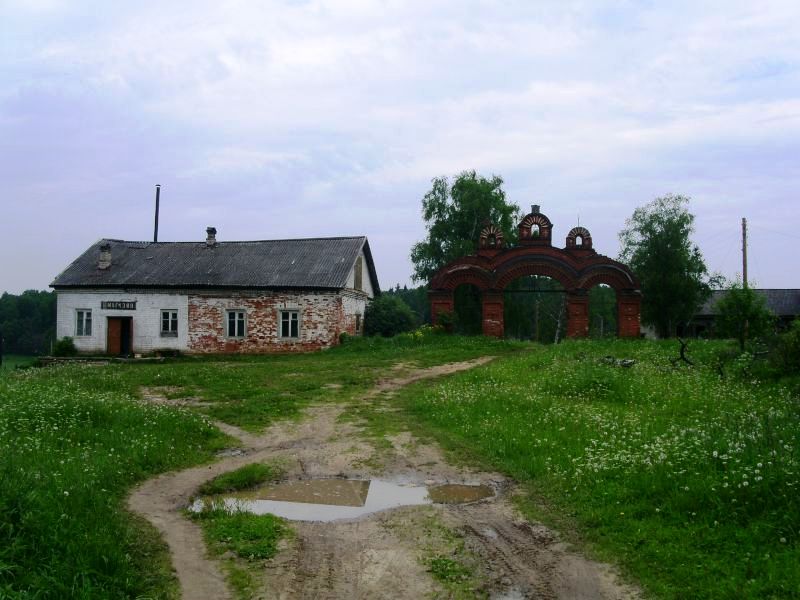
x=744, y=252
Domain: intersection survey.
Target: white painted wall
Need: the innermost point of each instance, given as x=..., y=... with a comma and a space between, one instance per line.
x=365, y=279
x=146, y=318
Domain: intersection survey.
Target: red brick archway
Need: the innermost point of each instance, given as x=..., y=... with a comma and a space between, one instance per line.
x=577, y=267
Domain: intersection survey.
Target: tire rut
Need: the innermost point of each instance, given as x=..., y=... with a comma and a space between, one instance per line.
x=161, y=499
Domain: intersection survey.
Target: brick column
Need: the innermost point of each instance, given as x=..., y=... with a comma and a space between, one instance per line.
x=441, y=302
x=577, y=313
x=629, y=307
x=492, y=311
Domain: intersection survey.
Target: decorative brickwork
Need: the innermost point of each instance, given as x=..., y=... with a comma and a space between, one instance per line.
x=577, y=267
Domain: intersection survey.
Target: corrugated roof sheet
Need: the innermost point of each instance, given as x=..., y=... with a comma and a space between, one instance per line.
x=303, y=263
x=783, y=302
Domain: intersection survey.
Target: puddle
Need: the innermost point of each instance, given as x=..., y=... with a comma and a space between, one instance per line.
x=334, y=499
x=453, y=493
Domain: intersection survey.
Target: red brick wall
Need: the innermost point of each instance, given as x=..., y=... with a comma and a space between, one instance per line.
x=321, y=321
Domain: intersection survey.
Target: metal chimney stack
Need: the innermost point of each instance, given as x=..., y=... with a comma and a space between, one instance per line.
x=158, y=197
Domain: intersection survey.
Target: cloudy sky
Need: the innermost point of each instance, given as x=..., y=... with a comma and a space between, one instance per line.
x=299, y=119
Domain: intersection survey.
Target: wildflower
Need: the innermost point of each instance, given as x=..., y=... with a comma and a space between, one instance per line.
x=66, y=493
x=783, y=540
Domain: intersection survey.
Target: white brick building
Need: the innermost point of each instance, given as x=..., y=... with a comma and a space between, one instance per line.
x=126, y=298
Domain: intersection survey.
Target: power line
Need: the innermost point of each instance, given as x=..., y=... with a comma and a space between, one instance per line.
x=797, y=237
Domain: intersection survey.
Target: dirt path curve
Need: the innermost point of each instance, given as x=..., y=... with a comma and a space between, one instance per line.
x=377, y=556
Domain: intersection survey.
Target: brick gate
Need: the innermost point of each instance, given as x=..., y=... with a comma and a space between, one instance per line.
x=577, y=267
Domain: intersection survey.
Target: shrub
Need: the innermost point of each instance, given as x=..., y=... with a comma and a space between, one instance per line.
x=64, y=347
x=447, y=320
x=387, y=316
x=786, y=352
x=743, y=315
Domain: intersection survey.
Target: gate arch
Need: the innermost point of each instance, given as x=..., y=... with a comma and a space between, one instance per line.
x=577, y=267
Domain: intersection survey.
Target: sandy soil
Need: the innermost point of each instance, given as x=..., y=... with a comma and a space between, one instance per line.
x=377, y=556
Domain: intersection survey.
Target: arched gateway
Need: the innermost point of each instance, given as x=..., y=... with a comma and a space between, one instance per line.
x=577, y=267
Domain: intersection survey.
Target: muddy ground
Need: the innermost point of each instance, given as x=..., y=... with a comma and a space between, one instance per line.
x=384, y=555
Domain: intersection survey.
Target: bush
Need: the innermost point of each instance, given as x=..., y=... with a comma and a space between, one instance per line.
x=387, y=316
x=743, y=315
x=785, y=356
x=64, y=347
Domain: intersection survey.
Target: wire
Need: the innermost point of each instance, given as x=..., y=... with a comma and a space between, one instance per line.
x=759, y=227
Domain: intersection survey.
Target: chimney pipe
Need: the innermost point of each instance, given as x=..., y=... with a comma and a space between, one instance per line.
x=158, y=196
x=211, y=239
x=105, y=257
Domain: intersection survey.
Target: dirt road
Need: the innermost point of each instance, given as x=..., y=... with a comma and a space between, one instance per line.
x=381, y=555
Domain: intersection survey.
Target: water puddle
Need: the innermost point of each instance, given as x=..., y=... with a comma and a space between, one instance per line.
x=453, y=493
x=333, y=499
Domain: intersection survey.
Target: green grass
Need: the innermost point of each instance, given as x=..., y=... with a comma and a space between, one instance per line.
x=75, y=438
x=12, y=361
x=688, y=481
x=249, y=536
x=71, y=446
x=243, y=478
x=243, y=541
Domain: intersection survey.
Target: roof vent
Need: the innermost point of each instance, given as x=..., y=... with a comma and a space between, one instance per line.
x=211, y=239
x=105, y=257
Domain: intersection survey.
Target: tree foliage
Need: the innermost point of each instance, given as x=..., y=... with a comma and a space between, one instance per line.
x=27, y=322
x=743, y=315
x=656, y=245
x=388, y=315
x=416, y=298
x=454, y=216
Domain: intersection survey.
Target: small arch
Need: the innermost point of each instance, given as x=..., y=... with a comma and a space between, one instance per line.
x=532, y=223
x=491, y=238
x=579, y=237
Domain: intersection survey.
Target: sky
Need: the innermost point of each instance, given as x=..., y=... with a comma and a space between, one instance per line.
x=272, y=120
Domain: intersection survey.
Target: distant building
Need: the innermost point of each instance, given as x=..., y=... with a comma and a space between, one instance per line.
x=784, y=303
x=123, y=297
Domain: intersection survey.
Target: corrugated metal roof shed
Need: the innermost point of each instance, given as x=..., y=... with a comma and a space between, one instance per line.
x=322, y=263
x=783, y=302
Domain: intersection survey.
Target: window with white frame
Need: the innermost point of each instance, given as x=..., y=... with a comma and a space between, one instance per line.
x=290, y=324
x=83, y=324
x=169, y=323
x=235, y=325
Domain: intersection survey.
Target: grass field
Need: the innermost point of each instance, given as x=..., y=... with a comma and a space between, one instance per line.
x=74, y=439
x=12, y=361
x=687, y=480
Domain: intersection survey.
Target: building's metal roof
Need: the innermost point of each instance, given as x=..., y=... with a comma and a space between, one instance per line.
x=782, y=302
x=323, y=263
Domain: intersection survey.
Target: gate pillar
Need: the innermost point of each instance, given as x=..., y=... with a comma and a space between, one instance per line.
x=629, y=307
x=492, y=313
x=577, y=313
x=441, y=302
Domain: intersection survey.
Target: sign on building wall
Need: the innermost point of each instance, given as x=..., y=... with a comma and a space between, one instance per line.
x=118, y=304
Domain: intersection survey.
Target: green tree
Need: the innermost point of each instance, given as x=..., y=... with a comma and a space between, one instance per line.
x=27, y=321
x=656, y=244
x=388, y=315
x=743, y=315
x=454, y=217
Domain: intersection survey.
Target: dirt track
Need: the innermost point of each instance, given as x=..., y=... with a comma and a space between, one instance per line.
x=377, y=556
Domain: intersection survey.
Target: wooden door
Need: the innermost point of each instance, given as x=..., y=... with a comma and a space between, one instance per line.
x=114, y=337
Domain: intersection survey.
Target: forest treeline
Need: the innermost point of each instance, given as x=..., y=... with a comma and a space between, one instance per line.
x=27, y=322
